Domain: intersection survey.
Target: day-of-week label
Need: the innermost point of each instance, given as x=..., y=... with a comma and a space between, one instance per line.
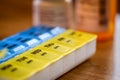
x=13, y=72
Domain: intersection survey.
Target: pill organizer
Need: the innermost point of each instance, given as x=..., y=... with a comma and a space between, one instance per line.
x=44, y=53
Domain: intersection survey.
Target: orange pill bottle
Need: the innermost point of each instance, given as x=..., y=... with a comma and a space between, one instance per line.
x=96, y=16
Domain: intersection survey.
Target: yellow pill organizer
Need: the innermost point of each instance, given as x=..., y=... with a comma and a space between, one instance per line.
x=44, y=53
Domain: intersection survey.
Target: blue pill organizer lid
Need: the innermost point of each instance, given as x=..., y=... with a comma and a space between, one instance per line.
x=25, y=40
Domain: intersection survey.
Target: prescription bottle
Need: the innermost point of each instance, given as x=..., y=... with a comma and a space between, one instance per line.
x=96, y=16
x=53, y=13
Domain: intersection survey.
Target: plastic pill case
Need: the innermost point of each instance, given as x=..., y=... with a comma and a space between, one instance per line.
x=44, y=53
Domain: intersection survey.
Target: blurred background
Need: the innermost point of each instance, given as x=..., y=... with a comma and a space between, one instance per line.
x=16, y=15
x=118, y=6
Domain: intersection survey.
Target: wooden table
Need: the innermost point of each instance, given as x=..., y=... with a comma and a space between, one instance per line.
x=104, y=65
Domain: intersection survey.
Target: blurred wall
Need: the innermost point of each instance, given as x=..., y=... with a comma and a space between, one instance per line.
x=15, y=15
x=118, y=6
